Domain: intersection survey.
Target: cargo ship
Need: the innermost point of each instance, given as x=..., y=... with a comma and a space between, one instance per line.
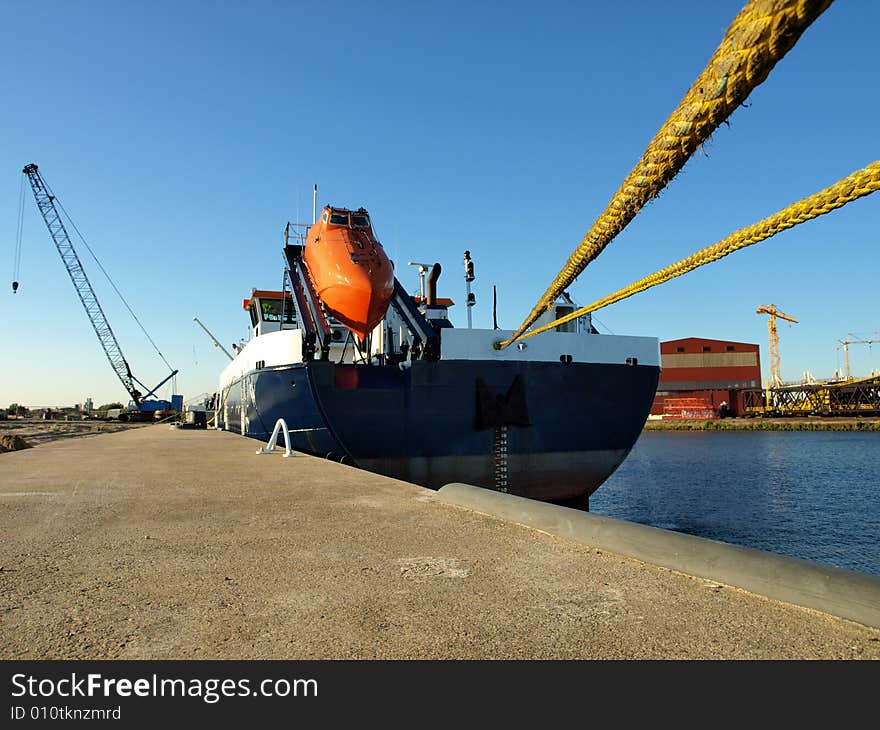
x=364, y=373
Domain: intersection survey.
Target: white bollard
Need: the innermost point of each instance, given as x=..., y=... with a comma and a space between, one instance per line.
x=280, y=425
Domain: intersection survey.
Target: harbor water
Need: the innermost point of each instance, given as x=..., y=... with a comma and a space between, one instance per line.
x=812, y=495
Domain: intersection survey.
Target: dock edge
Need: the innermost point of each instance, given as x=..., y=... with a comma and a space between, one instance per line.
x=843, y=593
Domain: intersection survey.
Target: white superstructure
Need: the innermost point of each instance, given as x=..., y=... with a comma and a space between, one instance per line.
x=274, y=343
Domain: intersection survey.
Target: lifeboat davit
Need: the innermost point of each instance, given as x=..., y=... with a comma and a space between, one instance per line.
x=349, y=268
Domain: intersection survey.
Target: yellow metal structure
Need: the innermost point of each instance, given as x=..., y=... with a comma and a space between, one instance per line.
x=759, y=36
x=852, y=398
x=773, y=312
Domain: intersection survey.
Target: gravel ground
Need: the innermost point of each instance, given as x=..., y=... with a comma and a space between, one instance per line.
x=161, y=543
x=37, y=432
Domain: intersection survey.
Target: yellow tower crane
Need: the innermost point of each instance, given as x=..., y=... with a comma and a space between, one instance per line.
x=773, y=312
x=847, y=342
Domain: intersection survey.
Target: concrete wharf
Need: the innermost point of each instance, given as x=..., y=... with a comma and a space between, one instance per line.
x=161, y=543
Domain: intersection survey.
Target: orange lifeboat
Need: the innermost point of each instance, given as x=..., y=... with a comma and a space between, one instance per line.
x=349, y=268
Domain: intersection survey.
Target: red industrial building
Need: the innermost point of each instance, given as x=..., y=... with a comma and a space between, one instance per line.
x=705, y=378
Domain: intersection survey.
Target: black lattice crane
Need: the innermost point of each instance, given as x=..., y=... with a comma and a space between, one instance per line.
x=46, y=203
x=773, y=312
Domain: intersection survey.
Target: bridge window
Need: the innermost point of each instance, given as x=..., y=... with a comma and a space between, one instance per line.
x=339, y=219
x=360, y=221
x=679, y=349
x=271, y=311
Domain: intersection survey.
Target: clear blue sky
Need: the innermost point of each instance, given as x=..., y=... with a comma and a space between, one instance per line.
x=182, y=136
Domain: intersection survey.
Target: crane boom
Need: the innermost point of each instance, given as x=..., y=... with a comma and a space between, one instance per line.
x=213, y=339
x=46, y=204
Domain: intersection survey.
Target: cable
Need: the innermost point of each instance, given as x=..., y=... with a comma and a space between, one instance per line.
x=16, y=267
x=759, y=36
x=104, y=271
x=602, y=324
x=857, y=185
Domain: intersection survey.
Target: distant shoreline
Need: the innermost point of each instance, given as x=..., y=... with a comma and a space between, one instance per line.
x=765, y=424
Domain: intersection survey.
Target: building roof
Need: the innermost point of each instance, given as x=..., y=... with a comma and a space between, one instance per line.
x=706, y=341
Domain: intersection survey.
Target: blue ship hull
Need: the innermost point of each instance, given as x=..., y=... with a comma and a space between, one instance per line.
x=542, y=430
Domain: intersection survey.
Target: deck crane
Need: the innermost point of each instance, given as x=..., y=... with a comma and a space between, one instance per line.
x=46, y=203
x=845, y=345
x=213, y=339
x=773, y=312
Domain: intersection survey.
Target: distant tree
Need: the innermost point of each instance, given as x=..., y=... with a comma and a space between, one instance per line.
x=108, y=406
x=17, y=410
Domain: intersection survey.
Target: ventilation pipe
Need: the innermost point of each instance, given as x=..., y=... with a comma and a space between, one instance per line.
x=431, y=300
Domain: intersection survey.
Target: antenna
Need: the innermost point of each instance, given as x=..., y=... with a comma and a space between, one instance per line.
x=315, y=204
x=423, y=269
x=468, y=278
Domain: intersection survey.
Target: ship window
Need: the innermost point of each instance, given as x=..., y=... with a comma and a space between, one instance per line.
x=252, y=310
x=271, y=310
x=730, y=348
x=360, y=221
x=324, y=217
x=565, y=326
x=707, y=349
x=339, y=219
x=679, y=349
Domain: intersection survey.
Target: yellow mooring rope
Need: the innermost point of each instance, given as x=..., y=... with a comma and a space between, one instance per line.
x=860, y=183
x=762, y=33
